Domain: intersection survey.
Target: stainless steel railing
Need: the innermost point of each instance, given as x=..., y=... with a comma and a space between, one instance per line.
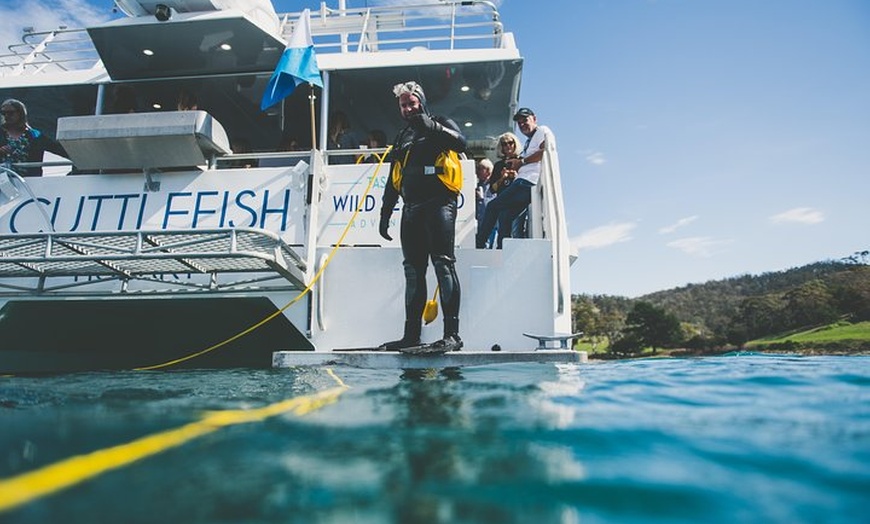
x=457, y=24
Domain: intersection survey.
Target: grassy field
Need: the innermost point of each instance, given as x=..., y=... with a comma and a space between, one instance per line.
x=840, y=338
x=839, y=332
x=601, y=347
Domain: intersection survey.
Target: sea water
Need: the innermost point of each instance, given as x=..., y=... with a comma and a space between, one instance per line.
x=743, y=438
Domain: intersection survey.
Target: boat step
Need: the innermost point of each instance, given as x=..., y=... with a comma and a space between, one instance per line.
x=557, y=341
x=396, y=360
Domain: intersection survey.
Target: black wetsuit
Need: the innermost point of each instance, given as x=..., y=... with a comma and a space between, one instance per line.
x=428, y=228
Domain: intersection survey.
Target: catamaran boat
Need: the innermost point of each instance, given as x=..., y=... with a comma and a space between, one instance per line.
x=224, y=235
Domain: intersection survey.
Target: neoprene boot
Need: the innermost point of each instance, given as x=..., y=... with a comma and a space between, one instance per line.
x=411, y=337
x=451, y=340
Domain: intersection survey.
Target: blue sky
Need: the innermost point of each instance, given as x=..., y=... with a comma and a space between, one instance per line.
x=701, y=140
x=698, y=139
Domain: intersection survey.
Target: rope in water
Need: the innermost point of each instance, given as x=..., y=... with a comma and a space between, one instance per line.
x=27, y=487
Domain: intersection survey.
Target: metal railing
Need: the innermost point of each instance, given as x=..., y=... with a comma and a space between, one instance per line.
x=49, y=51
x=447, y=25
x=457, y=24
x=547, y=220
x=123, y=257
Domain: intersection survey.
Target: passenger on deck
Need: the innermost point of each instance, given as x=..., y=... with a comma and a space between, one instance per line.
x=483, y=192
x=291, y=142
x=186, y=101
x=241, y=146
x=377, y=139
x=512, y=202
x=502, y=175
x=428, y=226
x=21, y=143
x=341, y=137
x=124, y=100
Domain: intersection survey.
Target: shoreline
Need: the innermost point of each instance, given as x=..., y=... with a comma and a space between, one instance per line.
x=862, y=351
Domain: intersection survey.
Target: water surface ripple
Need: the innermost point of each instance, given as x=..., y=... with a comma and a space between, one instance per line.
x=738, y=438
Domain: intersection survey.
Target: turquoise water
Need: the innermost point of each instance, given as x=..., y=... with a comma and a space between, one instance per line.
x=726, y=439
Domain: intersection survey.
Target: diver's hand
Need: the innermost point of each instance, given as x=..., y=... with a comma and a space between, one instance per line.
x=384, y=227
x=424, y=123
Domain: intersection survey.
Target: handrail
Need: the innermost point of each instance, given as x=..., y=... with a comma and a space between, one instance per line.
x=547, y=220
x=229, y=159
x=448, y=24
x=480, y=21
x=68, y=48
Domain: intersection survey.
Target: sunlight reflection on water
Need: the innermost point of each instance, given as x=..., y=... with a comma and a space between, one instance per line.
x=681, y=440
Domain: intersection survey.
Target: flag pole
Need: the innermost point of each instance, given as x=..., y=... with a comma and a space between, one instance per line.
x=311, y=104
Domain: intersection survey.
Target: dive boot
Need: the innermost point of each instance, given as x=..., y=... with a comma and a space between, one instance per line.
x=411, y=338
x=398, y=345
x=439, y=347
x=448, y=343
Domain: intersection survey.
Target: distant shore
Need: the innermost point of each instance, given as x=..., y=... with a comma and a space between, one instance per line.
x=859, y=349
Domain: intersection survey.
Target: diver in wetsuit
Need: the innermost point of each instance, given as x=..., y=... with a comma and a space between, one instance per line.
x=428, y=226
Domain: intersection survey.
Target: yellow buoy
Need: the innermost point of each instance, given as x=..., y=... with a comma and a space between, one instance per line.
x=430, y=310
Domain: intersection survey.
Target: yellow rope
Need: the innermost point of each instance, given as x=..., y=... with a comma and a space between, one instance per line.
x=299, y=297
x=27, y=487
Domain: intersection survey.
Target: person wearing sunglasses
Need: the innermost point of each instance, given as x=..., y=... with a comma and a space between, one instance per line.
x=21, y=143
x=508, y=209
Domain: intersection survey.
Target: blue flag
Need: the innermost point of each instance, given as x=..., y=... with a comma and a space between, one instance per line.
x=297, y=65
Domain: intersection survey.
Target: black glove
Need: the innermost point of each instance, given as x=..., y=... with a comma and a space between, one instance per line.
x=384, y=226
x=423, y=123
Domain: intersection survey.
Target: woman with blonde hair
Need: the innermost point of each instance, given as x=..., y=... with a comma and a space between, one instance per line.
x=508, y=146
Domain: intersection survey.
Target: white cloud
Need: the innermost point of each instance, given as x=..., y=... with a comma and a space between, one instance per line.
x=801, y=215
x=698, y=246
x=678, y=224
x=49, y=15
x=604, y=236
x=595, y=158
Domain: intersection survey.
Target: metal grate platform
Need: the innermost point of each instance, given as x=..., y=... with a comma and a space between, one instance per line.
x=130, y=255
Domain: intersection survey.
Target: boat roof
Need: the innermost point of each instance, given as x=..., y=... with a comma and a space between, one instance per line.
x=458, y=50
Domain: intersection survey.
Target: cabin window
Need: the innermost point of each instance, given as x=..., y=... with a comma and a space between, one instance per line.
x=46, y=104
x=234, y=101
x=466, y=93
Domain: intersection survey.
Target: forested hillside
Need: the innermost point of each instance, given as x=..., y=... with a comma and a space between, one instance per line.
x=714, y=304
x=731, y=311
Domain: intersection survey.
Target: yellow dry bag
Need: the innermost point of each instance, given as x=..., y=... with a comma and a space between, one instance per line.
x=448, y=168
x=450, y=171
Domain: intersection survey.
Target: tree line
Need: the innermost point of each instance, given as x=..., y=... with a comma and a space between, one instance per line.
x=727, y=313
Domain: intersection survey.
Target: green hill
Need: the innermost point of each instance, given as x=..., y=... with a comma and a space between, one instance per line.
x=840, y=337
x=775, y=311
x=713, y=305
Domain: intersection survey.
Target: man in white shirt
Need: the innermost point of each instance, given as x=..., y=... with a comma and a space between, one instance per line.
x=514, y=199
